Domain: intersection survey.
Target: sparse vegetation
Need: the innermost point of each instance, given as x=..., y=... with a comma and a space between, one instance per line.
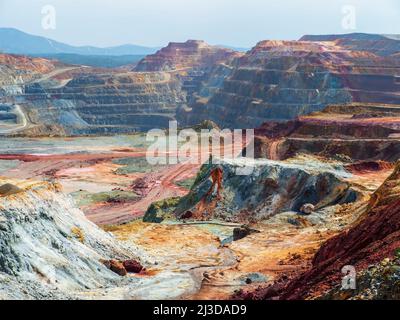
x=78, y=234
x=187, y=183
x=135, y=165
x=161, y=210
x=84, y=198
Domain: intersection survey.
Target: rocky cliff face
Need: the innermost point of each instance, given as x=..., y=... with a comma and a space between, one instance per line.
x=49, y=250
x=200, y=67
x=192, y=54
x=16, y=70
x=281, y=80
x=375, y=238
x=74, y=101
x=356, y=131
x=370, y=245
x=383, y=45
x=268, y=188
x=98, y=103
x=193, y=82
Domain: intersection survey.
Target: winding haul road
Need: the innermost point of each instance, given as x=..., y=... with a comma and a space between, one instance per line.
x=22, y=122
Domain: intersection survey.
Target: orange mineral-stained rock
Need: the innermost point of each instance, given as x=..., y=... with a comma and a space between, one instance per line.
x=372, y=239
x=115, y=266
x=182, y=56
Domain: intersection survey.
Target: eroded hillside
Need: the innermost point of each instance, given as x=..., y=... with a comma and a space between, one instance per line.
x=280, y=80
x=320, y=194
x=193, y=82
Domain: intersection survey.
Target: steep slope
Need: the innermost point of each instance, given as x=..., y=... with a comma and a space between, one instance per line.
x=280, y=80
x=374, y=238
x=103, y=103
x=49, y=250
x=15, y=70
x=370, y=245
x=80, y=100
x=200, y=67
x=354, y=131
x=193, y=82
x=191, y=54
x=383, y=45
x=243, y=190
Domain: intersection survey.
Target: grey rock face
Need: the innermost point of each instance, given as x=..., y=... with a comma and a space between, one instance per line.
x=107, y=103
x=48, y=249
x=269, y=188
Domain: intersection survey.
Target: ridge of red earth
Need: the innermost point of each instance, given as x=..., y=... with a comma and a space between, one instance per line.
x=374, y=237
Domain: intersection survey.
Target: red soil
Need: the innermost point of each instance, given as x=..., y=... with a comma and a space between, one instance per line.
x=369, y=241
x=154, y=186
x=76, y=157
x=368, y=166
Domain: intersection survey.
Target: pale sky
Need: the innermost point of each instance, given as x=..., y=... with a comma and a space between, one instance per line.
x=240, y=23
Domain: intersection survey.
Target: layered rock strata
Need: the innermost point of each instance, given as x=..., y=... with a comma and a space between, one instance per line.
x=106, y=103
x=280, y=80
x=370, y=244
x=346, y=132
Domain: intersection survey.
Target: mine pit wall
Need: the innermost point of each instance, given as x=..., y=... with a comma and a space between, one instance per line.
x=269, y=189
x=350, y=131
x=268, y=83
x=248, y=104
x=8, y=116
x=107, y=104
x=242, y=92
x=359, y=142
x=387, y=150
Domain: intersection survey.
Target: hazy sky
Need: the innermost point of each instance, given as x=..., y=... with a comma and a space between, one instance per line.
x=239, y=23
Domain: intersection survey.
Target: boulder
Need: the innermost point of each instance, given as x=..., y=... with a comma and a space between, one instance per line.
x=242, y=232
x=9, y=189
x=115, y=266
x=132, y=266
x=307, y=208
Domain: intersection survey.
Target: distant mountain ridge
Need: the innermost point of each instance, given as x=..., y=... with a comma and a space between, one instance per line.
x=379, y=44
x=18, y=42
x=351, y=36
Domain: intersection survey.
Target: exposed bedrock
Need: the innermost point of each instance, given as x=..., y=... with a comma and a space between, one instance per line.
x=15, y=70
x=353, y=149
x=355, y=131
x=90, y=101
x=201, y=68
x=186, y=55
x=107, y=103
x=374, y=238
x=193, y=82
x=48, y=249
x=266, y=189
x=383, y=45
x=280, y=80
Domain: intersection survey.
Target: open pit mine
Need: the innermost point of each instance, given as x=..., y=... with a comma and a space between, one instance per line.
x=84, y=215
